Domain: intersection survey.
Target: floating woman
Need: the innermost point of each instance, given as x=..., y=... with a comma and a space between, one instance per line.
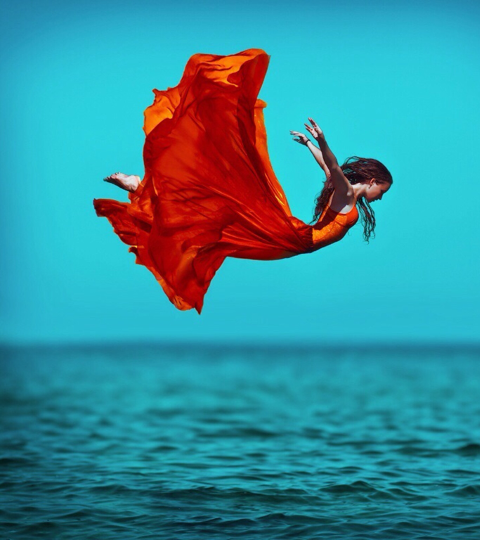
x=209, y=190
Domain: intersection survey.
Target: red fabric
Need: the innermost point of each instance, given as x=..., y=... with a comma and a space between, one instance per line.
x=209, y=190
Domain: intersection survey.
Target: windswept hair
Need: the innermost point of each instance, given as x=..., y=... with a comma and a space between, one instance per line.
x=356, y=169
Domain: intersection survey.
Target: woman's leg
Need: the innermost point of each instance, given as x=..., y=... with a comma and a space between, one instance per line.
x=124, y=181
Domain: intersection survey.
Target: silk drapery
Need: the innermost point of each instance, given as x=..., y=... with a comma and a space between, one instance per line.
x=209, y=190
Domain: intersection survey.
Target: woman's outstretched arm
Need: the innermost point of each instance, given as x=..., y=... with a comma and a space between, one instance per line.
x=340, y=181
x=319, y=136
x=326, y=159
x=316, y=152
x=318, y=155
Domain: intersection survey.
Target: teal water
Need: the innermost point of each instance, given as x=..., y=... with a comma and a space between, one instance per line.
x=189, y=442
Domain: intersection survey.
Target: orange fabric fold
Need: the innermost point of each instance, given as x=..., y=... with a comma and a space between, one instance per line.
x=209, y=190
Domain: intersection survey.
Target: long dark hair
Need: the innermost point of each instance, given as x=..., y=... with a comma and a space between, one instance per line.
x=356, y=169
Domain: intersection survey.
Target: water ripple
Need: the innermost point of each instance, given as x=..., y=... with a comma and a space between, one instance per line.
x=359, y=445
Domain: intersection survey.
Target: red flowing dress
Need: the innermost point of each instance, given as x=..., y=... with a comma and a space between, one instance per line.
x=209, y=190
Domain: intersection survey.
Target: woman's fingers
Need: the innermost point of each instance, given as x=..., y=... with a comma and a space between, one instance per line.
x=295, y=134
x=314, y=124
x=300, y=136
x=315, y=132
x=316, y=127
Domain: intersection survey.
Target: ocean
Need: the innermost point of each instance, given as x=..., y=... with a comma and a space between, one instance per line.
x=198, y=441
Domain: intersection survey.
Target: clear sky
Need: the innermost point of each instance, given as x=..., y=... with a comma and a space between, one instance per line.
x=399, y=83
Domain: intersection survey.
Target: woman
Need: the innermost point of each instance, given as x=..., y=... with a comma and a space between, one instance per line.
x=209, y=190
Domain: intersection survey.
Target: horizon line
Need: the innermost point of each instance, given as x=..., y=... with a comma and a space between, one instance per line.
x=249, y=343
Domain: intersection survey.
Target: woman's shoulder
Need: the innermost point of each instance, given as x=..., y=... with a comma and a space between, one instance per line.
x=342, y=206
x=342, y=203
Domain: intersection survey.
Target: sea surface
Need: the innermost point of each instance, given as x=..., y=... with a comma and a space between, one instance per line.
x=234, y=441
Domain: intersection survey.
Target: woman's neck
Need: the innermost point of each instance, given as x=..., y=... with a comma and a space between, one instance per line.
x=359, y=190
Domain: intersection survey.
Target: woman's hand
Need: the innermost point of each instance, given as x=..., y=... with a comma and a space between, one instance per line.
x=317, y=153
x=314, y=129
x=301, y=138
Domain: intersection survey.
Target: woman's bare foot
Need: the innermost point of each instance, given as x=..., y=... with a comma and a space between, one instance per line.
x=124, y=181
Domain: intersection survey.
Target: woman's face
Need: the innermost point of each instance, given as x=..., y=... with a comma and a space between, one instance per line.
x=375, y=191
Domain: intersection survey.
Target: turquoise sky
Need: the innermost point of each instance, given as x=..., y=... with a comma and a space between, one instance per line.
x=400, y=84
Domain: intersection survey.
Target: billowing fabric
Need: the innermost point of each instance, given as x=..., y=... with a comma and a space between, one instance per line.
x=209, y=190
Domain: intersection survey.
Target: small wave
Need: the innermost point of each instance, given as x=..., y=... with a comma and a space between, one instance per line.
x=41, y=526
x=466, y=491
x=349, y=469
x=242, y=433
x=16, y=461
x=211, y=493
x=256, y=454
x=359, y=487
x=220, y=457
x=111, y=489
x=471, y=449
x=163, y=448
x=156, y=412
x=463, y=472
x=77, y=514
x=407, y=494
x=418, y=451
